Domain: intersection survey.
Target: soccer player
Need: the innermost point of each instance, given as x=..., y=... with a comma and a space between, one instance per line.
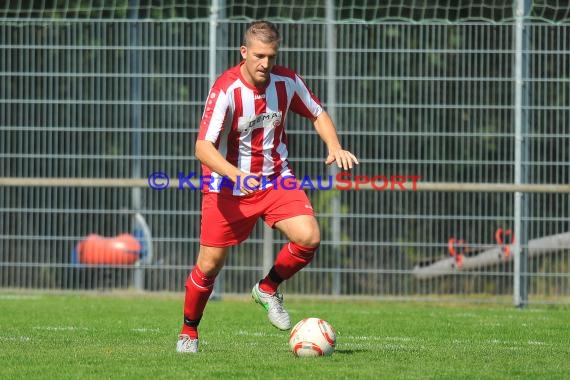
x=242, y=147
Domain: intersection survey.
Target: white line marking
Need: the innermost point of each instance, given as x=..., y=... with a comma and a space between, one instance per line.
x=17, y=297
x=15, y=339
x=146, y=330
x=257, y=333
x=60, y=328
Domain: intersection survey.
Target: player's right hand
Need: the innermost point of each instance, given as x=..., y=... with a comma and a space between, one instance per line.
x=249, y=182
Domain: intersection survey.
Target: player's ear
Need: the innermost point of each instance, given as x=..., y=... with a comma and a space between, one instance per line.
x=243, y=51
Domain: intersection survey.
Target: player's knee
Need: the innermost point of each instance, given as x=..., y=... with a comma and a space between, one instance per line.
x=308, y=241
x=211, y=260
x=312, y=242
x=310, y=238
x=210, y=268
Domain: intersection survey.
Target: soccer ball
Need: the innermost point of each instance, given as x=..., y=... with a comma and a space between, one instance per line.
x=312, y=337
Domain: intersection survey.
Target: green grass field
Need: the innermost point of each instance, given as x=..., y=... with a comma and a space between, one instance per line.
x=76, y=336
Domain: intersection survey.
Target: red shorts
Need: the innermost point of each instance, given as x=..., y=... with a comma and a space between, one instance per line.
x=228, y=220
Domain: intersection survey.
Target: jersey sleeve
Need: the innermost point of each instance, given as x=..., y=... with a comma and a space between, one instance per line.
x=304, y=102
x=214, y=115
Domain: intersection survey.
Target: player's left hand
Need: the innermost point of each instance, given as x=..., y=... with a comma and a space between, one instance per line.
x=343, y=158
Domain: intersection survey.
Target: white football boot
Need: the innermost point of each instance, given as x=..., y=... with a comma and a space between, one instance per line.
x=186, y=345
x=273, y=304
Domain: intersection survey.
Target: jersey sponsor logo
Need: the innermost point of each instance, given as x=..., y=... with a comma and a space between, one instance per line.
x=259, y=96
x=265, y=120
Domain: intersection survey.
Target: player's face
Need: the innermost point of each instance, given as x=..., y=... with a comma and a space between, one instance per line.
x=259, y=60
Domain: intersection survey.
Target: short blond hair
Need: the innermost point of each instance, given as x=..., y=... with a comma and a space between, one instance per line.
x=264, y=31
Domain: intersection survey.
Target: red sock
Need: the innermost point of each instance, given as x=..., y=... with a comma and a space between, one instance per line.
x=198, y=290
x=291, y=259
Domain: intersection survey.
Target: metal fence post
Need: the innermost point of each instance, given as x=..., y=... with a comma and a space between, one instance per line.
x=520, y=280
x=331, y=105
x=136, y=125
x=212, y=75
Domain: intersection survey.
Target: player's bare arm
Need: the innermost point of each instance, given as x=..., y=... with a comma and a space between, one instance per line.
x=327, y=131
x=207, y=154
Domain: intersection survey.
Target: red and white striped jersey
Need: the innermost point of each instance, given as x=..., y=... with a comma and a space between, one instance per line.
x=246, y=123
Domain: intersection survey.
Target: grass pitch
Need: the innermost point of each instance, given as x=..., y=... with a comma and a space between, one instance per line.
x=77, y=336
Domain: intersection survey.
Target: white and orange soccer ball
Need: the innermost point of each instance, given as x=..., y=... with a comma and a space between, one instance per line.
x=312, y=337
